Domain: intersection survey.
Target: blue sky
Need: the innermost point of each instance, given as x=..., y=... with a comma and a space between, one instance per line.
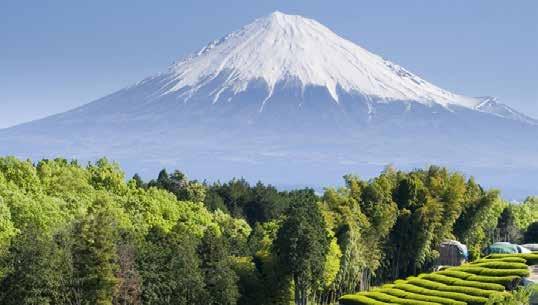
x=56, y=55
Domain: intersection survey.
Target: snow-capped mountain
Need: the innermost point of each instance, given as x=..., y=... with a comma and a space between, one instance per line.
x=284, y=48
x=286, y=100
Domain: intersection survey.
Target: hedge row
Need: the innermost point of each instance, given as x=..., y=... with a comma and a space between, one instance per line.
x=440, y=278
x=387, y=298
x=509, y=282
x=461, y=289
x=360, y=299
x=469, y=299
x=478, y=270
x=531, y=258
x=421, y=297
x=510, y=259
x=502, y=265
x=455, y=273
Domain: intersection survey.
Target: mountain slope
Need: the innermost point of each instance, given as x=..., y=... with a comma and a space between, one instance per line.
x=286, y=100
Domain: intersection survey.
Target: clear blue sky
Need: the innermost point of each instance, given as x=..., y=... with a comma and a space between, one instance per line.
x=56, y=55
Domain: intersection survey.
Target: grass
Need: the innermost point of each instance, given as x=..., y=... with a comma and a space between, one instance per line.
x=476, y=283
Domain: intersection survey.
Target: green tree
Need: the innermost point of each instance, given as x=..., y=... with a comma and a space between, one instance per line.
x=506, y=227
x=221, y=281
x=476, y=225
x=531, y=234
x=105, y=175
x=302, y=244
x=7, y=233
x=139, y=183
x=95, y=254
x=170, y=269
x=178, y=184
x=38, y=271
x=526, y=212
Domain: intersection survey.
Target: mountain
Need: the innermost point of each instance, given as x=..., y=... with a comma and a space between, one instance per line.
x=286, y=100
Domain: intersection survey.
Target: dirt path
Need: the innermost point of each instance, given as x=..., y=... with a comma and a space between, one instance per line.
x=534, y=273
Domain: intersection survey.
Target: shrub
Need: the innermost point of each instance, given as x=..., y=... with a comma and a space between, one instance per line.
x=440, y=278
x=469, y=299
x=387, y=298
x=532, y=258
x=509, y=282
x=360, y=299
x=461, y=289
x=491, y=272
x=502, y=265
x=454, y=273
x=415, y=296
x=510, y=259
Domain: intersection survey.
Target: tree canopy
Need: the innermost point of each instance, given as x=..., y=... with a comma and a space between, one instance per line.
x=73, y=234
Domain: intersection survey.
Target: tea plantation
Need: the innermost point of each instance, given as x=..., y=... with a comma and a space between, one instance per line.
x=476, y=283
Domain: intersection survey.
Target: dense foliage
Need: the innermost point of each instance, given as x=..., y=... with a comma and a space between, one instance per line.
x=72, y=234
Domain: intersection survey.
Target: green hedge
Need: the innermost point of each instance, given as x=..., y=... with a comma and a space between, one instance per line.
x=421, y=297
x=440, y=278
x=478, y=270
x=461, y=289
x=469, y=299
x=509, y=282
x=502, y=265
x=457, y=274
x=387, y=298
x=531, y=258
x=359, y=299
x=509, y=259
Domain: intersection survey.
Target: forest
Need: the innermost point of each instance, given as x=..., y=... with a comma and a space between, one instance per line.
x=87, y=234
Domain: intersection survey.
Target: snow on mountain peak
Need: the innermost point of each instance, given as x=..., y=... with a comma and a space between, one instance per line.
x=283, y=48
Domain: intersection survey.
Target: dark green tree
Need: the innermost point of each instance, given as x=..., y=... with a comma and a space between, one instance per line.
x=221, y=282
x=302, y=244
x=38, y=271
x=506, y=227
x=170, y=269
x=138, y=181
x=531, y=234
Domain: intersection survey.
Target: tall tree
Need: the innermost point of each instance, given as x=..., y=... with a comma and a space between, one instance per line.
x=217, y=267
x=302, y=244
x=95, y=255
x=170, y=269
x=531, y=234
x=506, y=227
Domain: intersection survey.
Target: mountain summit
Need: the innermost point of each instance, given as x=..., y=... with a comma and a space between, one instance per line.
x=286, y=100
x=288, y=48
